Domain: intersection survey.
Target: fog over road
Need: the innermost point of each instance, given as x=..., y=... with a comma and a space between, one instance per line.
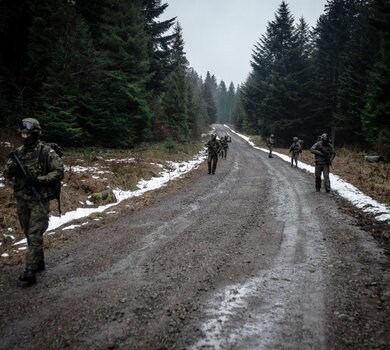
x=249, y=258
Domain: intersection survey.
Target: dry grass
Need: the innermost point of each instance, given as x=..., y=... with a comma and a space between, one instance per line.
x=121, y=169
x=371, y=178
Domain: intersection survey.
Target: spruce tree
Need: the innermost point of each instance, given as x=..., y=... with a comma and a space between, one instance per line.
x=122, y=117
x=331, y=41
x=158, y=45
x=274, y=95
x=230, y=103
x=222, y=102
x=175, y=99
x=376, y=113
x=197, y=110
x=16, y=84
x=209, y=94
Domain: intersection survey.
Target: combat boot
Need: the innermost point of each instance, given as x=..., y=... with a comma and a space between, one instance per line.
x=28, y=276
x=318, y=184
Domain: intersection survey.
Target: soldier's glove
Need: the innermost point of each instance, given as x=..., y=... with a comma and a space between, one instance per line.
x=31, y=180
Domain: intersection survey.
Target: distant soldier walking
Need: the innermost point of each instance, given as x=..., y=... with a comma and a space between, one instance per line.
x=213, y=149
x=324, y=154
x=225, y=145
x=30, y=170
x=271, y=145
x=295, y=150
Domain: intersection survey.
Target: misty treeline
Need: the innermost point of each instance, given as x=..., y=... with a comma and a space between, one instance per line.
x=100, y=72
x=332, y=78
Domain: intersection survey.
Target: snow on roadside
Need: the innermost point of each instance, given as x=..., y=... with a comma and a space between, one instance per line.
x=178, y=169
x=174, y=171
x=343, y=188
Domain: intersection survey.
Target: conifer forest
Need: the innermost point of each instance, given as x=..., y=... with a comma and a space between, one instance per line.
x=111, y=73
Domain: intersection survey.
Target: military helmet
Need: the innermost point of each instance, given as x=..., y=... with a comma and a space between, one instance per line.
x=295, y=139
x=29, y=125
x=325, y=137
x=272, y=135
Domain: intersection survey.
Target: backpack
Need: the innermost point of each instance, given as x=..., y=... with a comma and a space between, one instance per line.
x=53, y=188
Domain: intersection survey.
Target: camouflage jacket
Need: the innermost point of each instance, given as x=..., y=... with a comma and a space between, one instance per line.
x=46, y=170
x=324, y=153
x=295, y=147
x=271, y=142
x=213, y=147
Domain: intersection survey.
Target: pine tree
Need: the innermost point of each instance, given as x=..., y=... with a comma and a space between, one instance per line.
x=274, y=95
x=209, y=93
x=331, y=39
x=376, y=114
x=16, y=85
x=222, y=102
x=175, y=99
x=122, y=117
x=159, y=43
x=197, y=110
x=66, y=74
x=230, y=103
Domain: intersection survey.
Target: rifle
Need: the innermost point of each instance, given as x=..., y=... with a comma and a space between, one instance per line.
x=214, y=148
x=326, y=154
x=33, y=189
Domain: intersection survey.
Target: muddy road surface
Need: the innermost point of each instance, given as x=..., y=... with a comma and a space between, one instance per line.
x=249, y=258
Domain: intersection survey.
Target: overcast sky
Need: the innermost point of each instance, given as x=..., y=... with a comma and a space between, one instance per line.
x=220, y=35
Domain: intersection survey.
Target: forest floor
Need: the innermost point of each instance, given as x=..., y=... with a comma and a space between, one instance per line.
x=123, y=169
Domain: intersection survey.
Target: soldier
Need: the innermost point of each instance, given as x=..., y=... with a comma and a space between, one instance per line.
x=224, y=142
x=271, y=145
x=213, y=149
x=295, y=150
x=324, y=155
x=30, y=170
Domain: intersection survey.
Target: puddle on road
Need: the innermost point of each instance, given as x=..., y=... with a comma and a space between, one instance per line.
x=262, y=311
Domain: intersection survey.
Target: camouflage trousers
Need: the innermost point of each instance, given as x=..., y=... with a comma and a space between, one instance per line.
x=294, y=158
x=212, y=161
x=34, y=223
x=322, y=169
x=223, y=153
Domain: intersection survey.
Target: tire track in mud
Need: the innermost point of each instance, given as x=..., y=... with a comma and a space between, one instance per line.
x=122, y=272
x=282, y=302
x=234, y=261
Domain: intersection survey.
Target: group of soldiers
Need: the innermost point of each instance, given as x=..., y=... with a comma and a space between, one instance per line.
x=324, y=154
x=33, y=168
x=216, y=148
x=323, y=151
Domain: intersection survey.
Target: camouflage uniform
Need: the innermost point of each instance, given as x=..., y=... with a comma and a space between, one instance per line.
x=224, y=143
x=32, y=212
x=271, y=145
x=295, y=150
x=324, y=155
x=213, y=149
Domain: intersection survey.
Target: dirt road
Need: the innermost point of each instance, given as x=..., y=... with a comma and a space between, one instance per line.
x=249, y=258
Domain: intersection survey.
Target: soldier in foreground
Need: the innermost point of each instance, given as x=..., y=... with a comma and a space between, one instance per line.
x=31, y=170
x=271, y=145
x=324, y=154
x=295, y=150
x=213, y=149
